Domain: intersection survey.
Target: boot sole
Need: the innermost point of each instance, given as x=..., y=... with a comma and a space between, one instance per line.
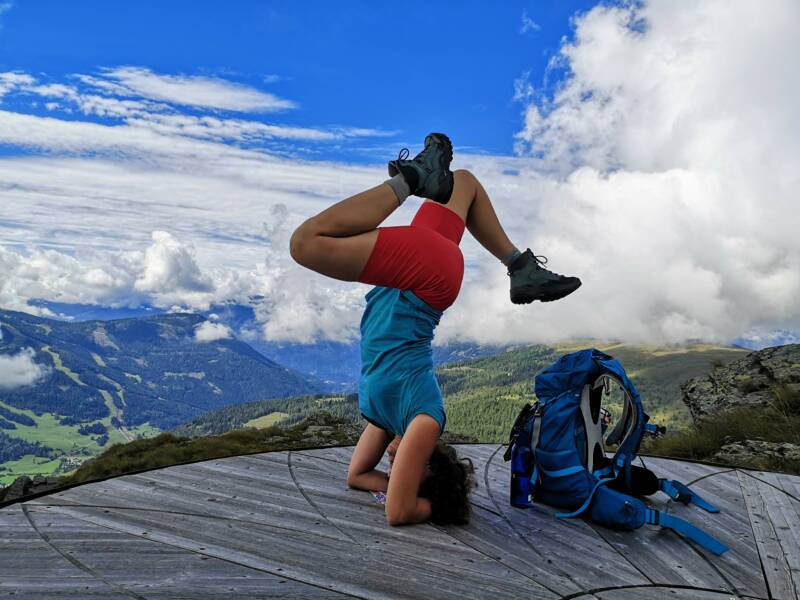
x=527, y=294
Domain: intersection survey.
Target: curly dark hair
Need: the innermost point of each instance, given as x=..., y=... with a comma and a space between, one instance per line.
x=449, y=485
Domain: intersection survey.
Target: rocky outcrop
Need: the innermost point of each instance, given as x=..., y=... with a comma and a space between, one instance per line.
x=323, y=429
x=25, y=486
x=320, y=429
x=748, y=451
x=748, y=381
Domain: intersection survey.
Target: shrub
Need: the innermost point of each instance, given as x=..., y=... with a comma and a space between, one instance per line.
x=707, y=437
x=168, y=449
x=786, y=400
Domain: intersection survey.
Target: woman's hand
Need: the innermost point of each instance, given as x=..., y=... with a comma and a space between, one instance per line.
x=409, y=469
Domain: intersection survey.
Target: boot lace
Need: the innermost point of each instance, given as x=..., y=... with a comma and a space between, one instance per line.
x=540, y=261
x=403, y=154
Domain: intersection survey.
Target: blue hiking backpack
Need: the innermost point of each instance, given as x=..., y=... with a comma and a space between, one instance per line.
x=556, y=449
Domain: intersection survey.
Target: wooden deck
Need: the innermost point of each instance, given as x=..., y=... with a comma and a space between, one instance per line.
x=285, y=525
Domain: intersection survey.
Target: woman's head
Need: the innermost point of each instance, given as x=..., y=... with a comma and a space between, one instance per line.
x=448, y=486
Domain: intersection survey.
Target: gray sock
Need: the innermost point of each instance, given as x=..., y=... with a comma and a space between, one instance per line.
x=514, y=255
x=400, y=187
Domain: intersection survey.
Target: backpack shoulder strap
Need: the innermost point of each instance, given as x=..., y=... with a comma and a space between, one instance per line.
x=686, y=529
x=684, y=494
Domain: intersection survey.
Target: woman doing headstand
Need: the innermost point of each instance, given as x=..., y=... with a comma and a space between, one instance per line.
x=417, y=271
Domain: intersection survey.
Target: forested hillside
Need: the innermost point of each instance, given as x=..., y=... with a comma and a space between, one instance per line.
x=103, y=382
x=483, y=396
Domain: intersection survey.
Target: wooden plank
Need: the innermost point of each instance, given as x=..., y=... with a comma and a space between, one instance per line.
x=782, y=507
x=202, y=496
x=771, y=556
x=286, y=525
x=122, y=559
x=366, y=524
x=783, y=512
x=740, y=565
x=353, y=570
x=570, y=546
x=683, y=471
x=656, y=593
x=26, y=560
x=238, y=488
x=662, y=556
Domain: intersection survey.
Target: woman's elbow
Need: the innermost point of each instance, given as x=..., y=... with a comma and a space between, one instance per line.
x=395, y=518
x=397, y=515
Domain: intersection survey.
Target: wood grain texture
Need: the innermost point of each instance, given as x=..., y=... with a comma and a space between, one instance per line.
x=285, y=525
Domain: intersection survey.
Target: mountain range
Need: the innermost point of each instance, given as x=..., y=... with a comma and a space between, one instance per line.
x=107, y=381
x=113, y=381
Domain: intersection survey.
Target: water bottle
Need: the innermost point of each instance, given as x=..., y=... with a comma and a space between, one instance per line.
x=520, y=476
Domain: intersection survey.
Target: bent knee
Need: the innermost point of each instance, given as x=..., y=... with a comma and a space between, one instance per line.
x=464, y=175
x=301, y=244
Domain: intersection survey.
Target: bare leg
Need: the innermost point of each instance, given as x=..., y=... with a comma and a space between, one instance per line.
x=338, y=241
x=472, y=204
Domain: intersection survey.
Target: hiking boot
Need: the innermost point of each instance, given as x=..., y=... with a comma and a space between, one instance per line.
x=428, y=175
x=530, y=281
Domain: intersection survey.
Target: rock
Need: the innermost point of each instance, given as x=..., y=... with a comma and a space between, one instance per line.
x=748, y=381
x=320, y=429
x=458, y=438
x=747, y=451
x=44, y=484
x=321, y=417
x=19, y=487
x=278, y=439
x=25, y=486
x=314, y=441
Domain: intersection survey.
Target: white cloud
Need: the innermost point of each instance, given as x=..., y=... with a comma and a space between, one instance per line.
x=170, y=266
x=210, y=332
x=528, y=24
x=140, y=118
x=662, y=171
x=673, y=146
x=205, y=92
x=13, y=80
x=20, y=369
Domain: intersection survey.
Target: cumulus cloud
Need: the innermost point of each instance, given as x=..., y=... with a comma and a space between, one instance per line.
x=20, y=369
x=229, y=219
x=665, y=176
x=165, y=274
x=170, y=266
x=662, y=171
x=210, y=332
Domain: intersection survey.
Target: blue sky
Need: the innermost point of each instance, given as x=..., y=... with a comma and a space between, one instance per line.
x=411, y=67
x=161, y=153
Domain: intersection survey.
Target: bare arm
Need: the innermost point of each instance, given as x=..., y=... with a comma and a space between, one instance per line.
x=362, y=474
x=408, y=470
